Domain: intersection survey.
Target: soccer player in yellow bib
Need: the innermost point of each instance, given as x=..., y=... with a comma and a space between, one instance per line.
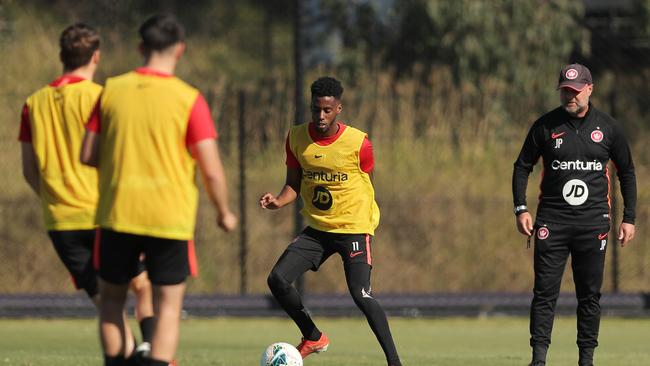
x=146, y=136
x=330, y=165
x=51, y=131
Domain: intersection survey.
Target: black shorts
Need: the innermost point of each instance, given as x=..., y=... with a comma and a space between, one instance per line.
x=317, y=246
x=75, y=249
x=168, y=261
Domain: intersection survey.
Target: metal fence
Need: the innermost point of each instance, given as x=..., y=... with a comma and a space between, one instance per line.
x=446, y=220
x=444, y=152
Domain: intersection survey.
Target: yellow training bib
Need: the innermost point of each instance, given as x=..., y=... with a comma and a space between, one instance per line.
x=68, y=189
x=338, y=196
x=146, y=174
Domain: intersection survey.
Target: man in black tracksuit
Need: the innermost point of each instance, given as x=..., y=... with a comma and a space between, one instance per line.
x=576, y=142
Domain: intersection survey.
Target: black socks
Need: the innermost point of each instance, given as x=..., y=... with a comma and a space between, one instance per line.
x=146, y=327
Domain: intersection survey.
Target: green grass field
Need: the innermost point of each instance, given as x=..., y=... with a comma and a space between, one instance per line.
x=232, y=342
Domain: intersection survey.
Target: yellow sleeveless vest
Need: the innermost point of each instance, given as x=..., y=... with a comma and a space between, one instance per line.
x=338, y=196
x=68, y=189
x=146, y=174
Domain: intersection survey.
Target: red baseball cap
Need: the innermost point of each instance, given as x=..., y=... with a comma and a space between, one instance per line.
x=574, y=76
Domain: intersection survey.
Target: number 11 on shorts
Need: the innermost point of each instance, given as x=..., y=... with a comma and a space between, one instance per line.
x=355, y=246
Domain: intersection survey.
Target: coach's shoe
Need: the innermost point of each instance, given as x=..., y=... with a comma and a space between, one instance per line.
x=586, y=357
x=307, y=347
x=539, y=355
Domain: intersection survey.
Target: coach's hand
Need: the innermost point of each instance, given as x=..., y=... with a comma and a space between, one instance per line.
x=227, y=221
x=525, y=223
x=625, y=233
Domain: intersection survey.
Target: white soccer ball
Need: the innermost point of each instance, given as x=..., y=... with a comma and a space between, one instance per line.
x=281, y=354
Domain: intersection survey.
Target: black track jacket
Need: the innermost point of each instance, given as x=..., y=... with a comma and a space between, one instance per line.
x=575, y=179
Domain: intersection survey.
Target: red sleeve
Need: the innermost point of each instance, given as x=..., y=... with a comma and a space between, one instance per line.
x=25, y=134
x=366, y=158
x=200, y=125
x=95, y=122
x=291, y=161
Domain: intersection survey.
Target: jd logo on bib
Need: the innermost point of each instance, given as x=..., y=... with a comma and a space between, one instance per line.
x=322, y=198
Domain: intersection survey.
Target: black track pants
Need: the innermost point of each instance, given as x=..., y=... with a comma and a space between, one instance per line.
x=553, y=245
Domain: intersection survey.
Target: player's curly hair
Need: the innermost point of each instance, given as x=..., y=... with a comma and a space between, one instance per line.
x=326, y=87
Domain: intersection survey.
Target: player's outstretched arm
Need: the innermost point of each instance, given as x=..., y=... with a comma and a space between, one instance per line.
x=288, y=194
x=30, y=167
x=90, y=149
x=206, y=154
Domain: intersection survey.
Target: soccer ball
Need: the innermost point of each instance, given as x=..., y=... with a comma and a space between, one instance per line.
x=281, y=354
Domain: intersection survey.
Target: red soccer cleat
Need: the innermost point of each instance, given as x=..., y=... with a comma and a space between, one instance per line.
x=307, y=347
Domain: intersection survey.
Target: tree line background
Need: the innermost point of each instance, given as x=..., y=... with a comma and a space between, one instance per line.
x=446, y=90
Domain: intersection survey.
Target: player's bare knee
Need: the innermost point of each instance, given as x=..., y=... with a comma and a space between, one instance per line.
x=139, y=286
